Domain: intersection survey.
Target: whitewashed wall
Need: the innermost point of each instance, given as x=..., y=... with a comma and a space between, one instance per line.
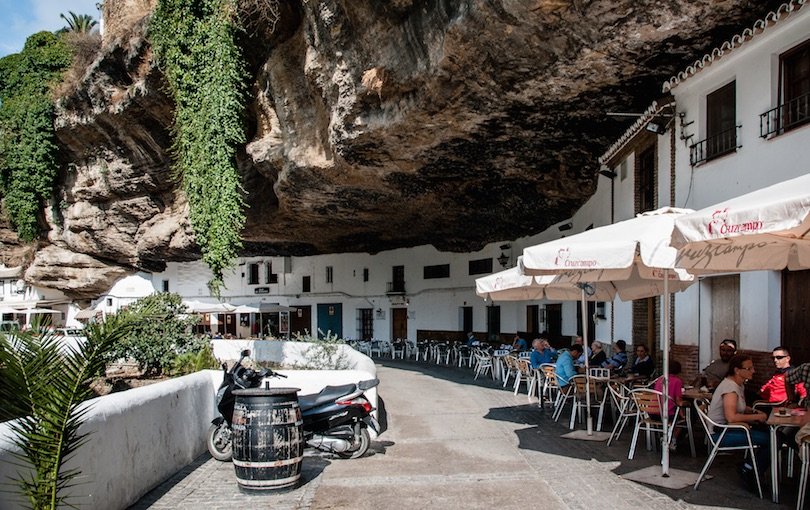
x=756, y=164
x=142, y=436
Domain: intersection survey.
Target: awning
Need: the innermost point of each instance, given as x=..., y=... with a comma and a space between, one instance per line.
x=87, y=313
x=11, y=272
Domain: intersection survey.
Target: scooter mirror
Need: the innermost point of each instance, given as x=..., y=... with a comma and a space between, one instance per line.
x=246, y=352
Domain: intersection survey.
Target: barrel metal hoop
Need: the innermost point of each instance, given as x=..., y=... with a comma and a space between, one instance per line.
x=275, y=463
x=268, y=484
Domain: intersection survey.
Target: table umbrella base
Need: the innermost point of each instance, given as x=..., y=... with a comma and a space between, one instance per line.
x=583, y=435
x=677, y=479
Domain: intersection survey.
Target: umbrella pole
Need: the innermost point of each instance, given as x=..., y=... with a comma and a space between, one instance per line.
x=588, y=419
x=665, y=386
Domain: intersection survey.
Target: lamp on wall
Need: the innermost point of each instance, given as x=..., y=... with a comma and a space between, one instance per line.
x=565, y=226
x=657, y=125
x=610, y=174
x=503, y=259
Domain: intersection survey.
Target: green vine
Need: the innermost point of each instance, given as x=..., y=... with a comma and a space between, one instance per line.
x=194, y=41
x=28, y=150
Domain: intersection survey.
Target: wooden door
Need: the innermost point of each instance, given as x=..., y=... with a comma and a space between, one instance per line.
x=554, y=322
x=533, y=320
x=494, y=324
x=301, y=320
x=399, y=323
x=796, y=315
x=725, y=310
x=466, y=320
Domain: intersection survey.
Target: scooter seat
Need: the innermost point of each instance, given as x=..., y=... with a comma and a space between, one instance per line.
x=328, y=394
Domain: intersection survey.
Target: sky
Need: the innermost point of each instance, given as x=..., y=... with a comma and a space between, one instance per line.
x=25, y=17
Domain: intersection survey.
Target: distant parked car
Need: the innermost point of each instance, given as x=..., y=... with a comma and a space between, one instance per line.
x=71, y=336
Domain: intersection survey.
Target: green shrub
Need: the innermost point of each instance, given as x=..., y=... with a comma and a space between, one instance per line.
x=324, y=354
x=155, y=343
x=194, y=360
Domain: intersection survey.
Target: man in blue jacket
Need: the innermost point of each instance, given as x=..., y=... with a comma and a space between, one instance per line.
x=542, y=352
x=565, y=364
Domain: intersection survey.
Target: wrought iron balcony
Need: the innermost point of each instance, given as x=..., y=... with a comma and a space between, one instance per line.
x=715, y=146
x=785, y=117
x=397, y=287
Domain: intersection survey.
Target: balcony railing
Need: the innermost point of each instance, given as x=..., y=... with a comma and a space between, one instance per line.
x=785, y=117
x=715, y=146
x=397, y=287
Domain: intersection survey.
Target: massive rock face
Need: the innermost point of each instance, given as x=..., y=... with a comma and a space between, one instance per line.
x=373, y=125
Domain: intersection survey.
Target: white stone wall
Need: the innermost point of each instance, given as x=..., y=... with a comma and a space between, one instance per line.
x=142, y=436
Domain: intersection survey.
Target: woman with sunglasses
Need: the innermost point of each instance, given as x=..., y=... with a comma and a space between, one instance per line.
x=728, y=406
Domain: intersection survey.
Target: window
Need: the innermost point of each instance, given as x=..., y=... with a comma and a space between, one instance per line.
x=721, y=125
x=645, y=180
x=305, y=284
x=330, y=272
x=365, y=323
x=165, y=285
x=440, y=271
x=365, y=274
x=253, y=274
x=481, y=266
x=795, y=66
x=109, y=301
x=269, y=275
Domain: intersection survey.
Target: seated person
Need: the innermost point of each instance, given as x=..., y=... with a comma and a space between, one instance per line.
x=586, y=352
x=598, y=355
x=519, y=344
x=643, y=364
x=471, y=340
x=774, y=390
x=675, y=397
x=618, y=359
x=728, y=406
x=542, y=352
x=716, y=370
x=565, y=368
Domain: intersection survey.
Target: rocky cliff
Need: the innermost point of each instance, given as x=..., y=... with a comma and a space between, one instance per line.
x=372, y=125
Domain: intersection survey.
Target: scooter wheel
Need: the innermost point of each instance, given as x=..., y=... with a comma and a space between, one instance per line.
x=361, y=446
x=219, y=442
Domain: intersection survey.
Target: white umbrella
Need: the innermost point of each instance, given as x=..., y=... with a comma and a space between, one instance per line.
x=199, y=307
x=632, y=256
x=765, y=229
x=510, y=285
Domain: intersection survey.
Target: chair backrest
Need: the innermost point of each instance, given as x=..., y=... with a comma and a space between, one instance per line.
x=578, y=381
x=647, y=401
x=702, y=408
x=550, y=373
x=602, y=374
x=524, y=355
x=501, y=352
x=524, y=366
x=620, y=394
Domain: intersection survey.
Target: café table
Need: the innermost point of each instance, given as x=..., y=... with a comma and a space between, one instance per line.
x=794, y=419
x=688, y=397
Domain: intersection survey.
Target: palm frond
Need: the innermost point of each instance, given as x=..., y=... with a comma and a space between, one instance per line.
x=44, y=386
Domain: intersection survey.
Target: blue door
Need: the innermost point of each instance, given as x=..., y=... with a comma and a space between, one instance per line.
x=330, y=319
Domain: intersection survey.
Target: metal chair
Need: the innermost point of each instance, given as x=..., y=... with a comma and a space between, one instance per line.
x=624, y=406
x=709, y=425
x=510, y=368
x=550, y=386
x=567, y=393
x=648, y=418
x=581, y=401
x=483, y=363
x=524, y=374
x=804, y=455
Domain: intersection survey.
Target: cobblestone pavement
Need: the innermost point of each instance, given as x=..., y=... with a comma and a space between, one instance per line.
x=453, y=442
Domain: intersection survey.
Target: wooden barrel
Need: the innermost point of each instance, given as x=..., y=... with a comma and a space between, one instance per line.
x=268, y=438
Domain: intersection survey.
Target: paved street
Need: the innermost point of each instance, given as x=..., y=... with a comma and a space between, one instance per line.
x=457, y=443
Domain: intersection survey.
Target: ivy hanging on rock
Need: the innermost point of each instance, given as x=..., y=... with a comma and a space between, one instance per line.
x=195, y=44
x=28, y=150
